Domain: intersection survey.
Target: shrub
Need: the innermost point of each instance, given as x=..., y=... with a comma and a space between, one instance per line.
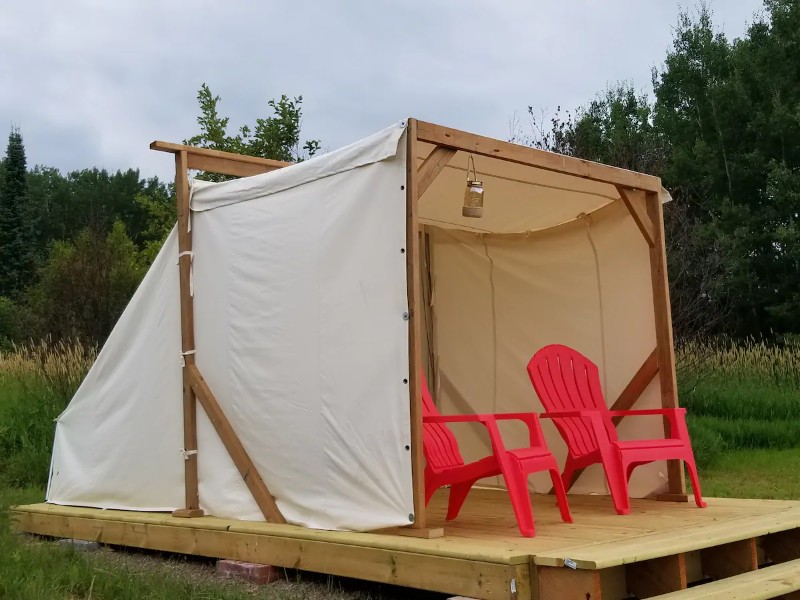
x=36, y=383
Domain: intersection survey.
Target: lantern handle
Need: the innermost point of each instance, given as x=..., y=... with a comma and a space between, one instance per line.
x=471, y=161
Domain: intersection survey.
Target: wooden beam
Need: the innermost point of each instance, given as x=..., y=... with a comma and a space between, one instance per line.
x=663, y=325
x=196, y=153
x=227, y=166
x=414, y=328
x=731, y=559
x=432, y=166
x=632, y=200
x=636, y=385
x=657, y=576
x=191, y=489
x=429, y=533
x=247, y=469
x=549, y=161
x=562, y=582
x=782, y=546
x=628, y=397
x=421, y=570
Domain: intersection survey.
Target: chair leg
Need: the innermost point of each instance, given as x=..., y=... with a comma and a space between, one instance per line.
x=458, y=494
x=569, y=469
x=617, y=482
x=561, y=496
x=698, y=496
x=517, y=486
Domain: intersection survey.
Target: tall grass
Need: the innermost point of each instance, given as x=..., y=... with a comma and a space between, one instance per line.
x=36, y=383
x=742, y=396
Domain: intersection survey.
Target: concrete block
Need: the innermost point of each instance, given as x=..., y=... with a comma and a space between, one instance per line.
x=79, y=545
x=250, y=572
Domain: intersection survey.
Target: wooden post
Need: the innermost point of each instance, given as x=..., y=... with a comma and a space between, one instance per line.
x=192, y=501
x=664, y=342
x=244, y=464
x=414, y=329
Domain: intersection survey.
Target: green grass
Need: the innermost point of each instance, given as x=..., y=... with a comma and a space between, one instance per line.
x=771, y=474
x=744, y=418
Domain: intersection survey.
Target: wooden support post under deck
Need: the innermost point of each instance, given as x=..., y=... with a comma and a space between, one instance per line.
x=664, y=341
x=414, y=328
x=657, y=576
x=192, y=501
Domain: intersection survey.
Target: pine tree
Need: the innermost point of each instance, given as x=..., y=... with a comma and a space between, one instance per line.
x=15, y=264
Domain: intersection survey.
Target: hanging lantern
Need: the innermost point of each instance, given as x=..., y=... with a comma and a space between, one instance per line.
x=473, y=195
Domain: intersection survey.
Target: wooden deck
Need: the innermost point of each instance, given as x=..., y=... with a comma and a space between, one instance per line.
x=660, y=547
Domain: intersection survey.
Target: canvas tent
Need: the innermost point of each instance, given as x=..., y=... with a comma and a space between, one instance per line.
x=298, y=305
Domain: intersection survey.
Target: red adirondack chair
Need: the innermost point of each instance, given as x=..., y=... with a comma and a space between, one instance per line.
x=568, y=384
x=445, y=465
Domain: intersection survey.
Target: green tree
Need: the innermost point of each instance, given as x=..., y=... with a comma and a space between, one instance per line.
x=730, y=114
x=276, y=136
x=86, y=283
x=15, y=265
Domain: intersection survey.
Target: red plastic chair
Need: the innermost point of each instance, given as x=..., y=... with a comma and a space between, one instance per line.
x=445, y=466
x=568, y=384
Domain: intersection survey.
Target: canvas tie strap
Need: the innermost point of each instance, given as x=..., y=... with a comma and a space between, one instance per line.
x=188, y=453
x=190, y=254
x=184, y=355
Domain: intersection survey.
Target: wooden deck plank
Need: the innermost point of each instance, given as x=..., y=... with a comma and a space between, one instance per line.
x=769, y=582
x=484, y=534
x=471, y=578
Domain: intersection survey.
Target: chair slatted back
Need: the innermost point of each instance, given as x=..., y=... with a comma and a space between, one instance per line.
x=439, y=443
x=564, y=379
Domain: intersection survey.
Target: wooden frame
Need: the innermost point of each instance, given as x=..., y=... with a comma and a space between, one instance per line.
x=741, y=546
x=639, y=193
x=194, y=386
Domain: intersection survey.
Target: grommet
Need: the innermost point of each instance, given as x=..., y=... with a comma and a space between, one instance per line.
x=405, y=380
x=402, y=250
x=408, y=447
x=411, y=517
x=406, y=316
x=402, y=187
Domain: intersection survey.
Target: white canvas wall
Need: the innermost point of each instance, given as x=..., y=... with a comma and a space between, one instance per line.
x=299, y=291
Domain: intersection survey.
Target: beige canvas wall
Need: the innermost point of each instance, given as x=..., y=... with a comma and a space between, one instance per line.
x=495, y=299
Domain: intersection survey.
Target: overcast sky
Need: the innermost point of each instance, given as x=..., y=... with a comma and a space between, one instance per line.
x=93, y=82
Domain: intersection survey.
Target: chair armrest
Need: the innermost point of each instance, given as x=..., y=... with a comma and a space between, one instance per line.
x=531, y=420
x=676, y=416
x=454, y=419
x=646, y=411
x=536, y=436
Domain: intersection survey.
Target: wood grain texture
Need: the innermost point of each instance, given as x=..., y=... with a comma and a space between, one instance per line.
x=657, y=576
x=549, y=161
x=247, y=469
x=191, y=486
x=730, y=559
x=664, y=341
x=633, y=200
x=432, y=166
x=414, y=284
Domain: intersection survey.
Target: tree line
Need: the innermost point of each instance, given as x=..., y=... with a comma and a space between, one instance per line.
x=723, y=133
x=722, y=130
x=75, y=246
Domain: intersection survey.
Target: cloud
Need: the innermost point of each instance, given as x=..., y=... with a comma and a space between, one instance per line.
x=93, y=83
